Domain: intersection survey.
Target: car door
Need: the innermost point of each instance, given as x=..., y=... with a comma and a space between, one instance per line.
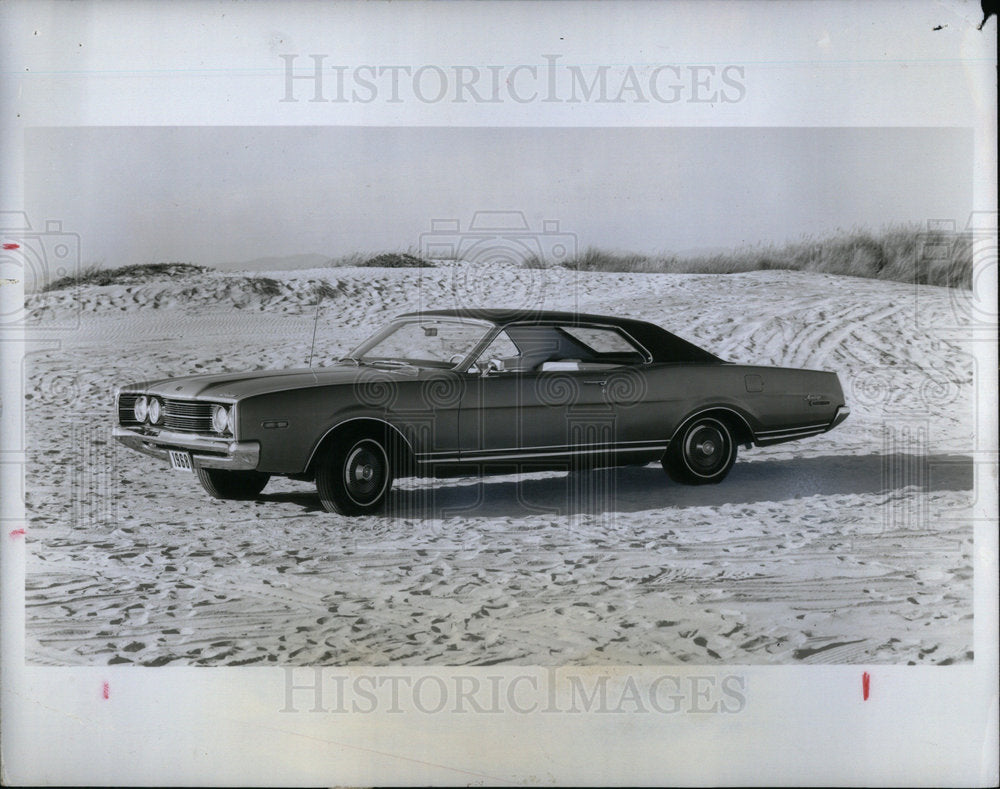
x=504, y=414
x=530, y=414
x=550, y=396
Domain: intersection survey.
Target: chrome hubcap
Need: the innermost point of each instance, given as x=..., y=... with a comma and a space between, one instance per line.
x=706, y=448
x=364, y=472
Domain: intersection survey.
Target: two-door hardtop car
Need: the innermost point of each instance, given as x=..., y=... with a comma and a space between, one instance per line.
x=476, y=390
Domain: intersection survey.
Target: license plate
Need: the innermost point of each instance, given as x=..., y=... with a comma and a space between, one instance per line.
x=181, y=460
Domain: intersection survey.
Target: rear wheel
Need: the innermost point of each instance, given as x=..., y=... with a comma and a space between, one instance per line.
x=221, y=484
x=354, y=476
x=702, y=452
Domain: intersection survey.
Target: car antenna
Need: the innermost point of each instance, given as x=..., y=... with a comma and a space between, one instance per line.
x=312, y=346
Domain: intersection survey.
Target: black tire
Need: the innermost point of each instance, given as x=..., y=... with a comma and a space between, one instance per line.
x=701, y=453
x=236, y=485
x=354, y=476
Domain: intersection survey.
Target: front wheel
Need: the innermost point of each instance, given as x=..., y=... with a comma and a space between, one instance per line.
x=238, y=485
x=354, y=476
x=702, y=453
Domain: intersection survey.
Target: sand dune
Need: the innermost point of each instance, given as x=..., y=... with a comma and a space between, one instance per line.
x=849, y=547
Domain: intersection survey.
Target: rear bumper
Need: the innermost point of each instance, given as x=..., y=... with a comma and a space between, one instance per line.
x=205, y=452
x=842, y=413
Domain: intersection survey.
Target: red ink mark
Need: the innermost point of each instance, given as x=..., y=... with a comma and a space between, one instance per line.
x=17, y=533
x=106, y=690
x=11, y=246
x=866, y=682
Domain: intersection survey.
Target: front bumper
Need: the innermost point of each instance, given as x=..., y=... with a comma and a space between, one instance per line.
x=205, y=452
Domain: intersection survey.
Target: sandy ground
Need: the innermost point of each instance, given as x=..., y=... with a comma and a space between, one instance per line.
x=850, y=547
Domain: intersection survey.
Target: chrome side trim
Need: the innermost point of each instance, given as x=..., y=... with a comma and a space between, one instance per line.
x=789, y=436
x=539, y=452
x=801, y=431
x=233, y=455
x=567, y=447
x=797, y=429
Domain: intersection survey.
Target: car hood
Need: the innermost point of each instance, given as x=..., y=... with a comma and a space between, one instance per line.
x=226, y=386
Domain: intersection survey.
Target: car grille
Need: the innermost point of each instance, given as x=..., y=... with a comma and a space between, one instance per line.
x=187, y=416
x=184, y=416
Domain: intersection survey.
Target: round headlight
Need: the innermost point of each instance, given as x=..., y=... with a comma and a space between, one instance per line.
x=221, y=421
x=155, y=410
x=141, y=409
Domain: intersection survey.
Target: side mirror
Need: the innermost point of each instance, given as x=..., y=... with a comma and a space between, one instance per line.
x=492, y=367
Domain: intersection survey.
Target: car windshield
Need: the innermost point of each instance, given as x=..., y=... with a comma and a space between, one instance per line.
x=423, y=341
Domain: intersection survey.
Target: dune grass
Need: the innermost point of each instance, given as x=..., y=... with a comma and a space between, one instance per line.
x=137, y=274
x=264, y=286
x=381, y=260
x=902, y=254
x=124, y=275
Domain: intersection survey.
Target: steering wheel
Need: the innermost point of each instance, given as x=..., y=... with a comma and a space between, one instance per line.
x=456, y=358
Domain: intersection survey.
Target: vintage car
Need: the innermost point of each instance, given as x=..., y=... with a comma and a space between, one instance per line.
x=470, y=391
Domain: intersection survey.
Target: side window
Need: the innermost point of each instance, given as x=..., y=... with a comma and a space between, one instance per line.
x=501, y=348
x=600, y=340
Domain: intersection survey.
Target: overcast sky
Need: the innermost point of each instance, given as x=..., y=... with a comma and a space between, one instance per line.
x=221, y=194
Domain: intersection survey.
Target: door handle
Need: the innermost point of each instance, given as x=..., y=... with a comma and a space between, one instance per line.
x=598, y=383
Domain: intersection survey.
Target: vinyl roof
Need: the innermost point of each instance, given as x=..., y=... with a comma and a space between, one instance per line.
x=664, y=346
